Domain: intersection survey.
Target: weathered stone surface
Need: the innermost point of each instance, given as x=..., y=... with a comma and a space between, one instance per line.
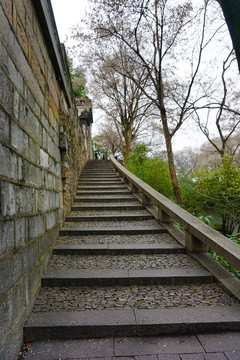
x=32, y=102
x=4, y=126
x=6, y=236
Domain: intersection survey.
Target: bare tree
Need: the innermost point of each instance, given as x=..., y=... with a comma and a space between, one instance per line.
x=108, y=138
x=123, y=102
x=223, y=109
x=158, y=35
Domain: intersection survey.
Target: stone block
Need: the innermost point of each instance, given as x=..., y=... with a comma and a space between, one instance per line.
x=33, y=150
x=22, y=204
x=4, y=126
x=44, y=159
x=11, y=271
x=32, y=174
x=8, y=199
x=20, y=231
x=6, y=92
x=30, y=256
x=11, y=69
x=19, y=139
x=50, y=181
x=23, y=113
x=21, y=35
x=51, y=219
x=7, y=236
x=34, y=127
x=21, y=10
x=8, y=163
x=6, y=320
x=33, y=280
x=45, y=121
x=34, y=105
x=7, y=7
x=50, y=146
x=44, y=199
x=36, y=226
x=38, y=72
x=20, y=174
x=29, y=121
x=44, y=136
x=16, y=102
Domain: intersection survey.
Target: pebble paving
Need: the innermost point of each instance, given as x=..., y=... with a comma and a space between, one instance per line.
x=122, y=262
x=132, y=202
x=118, y=239
x=102, y=196
x=106, y=212
x=111, y=224
x=134, y=297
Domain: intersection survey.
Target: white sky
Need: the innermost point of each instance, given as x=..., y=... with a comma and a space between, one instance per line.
x=67, y=14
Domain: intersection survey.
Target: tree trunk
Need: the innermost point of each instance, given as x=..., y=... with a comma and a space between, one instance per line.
x=127, y=146
x=231, y=11
x=172, y=171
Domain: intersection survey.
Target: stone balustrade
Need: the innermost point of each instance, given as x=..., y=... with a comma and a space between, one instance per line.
x=197, y=236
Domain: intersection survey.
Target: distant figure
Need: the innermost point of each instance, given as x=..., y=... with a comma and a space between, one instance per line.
x=103, y=157
x=96, y=155
x=115, y=157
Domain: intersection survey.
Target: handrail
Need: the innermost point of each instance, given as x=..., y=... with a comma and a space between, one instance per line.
x=198, y=236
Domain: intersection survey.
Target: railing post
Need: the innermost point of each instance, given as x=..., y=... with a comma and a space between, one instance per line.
x=145, y=200
x=164, y=217
x=193, y=244
x=133, y=188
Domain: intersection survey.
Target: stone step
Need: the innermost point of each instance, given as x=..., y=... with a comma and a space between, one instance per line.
x=97, y=172
x=99, y=177
x=103, y=188
x=118, y=249
x=118, y=217
x=121, y=277
x=63, y=325
x=108, y=207
x=105, y=199
x=104, y=192
x=100, y=183
x=112, y=231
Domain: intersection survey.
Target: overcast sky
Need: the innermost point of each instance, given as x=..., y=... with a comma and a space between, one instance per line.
x=67, y=14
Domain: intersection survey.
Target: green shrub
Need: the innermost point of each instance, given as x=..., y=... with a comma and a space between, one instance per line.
x=154, y=171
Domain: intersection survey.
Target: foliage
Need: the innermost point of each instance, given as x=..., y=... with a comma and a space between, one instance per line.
x=99, y=150
x=78, y=80
x=154, y=171
x=219, y=188
x=192, y=199
x=224, y=263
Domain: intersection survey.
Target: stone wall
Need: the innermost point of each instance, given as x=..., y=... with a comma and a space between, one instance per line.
x=42, y=151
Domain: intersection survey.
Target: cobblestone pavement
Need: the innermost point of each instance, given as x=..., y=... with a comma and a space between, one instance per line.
x=124, y=297
x=122, y=261
x=118, y=239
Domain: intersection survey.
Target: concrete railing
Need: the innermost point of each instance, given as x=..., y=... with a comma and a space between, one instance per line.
x=197, y=235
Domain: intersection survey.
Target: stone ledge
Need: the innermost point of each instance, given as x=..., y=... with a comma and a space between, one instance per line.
x=110, y=323
x=114, y=231
x=118, y=249
x=112, y=277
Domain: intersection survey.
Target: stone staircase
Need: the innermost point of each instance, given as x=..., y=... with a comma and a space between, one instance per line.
x=117, y=272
